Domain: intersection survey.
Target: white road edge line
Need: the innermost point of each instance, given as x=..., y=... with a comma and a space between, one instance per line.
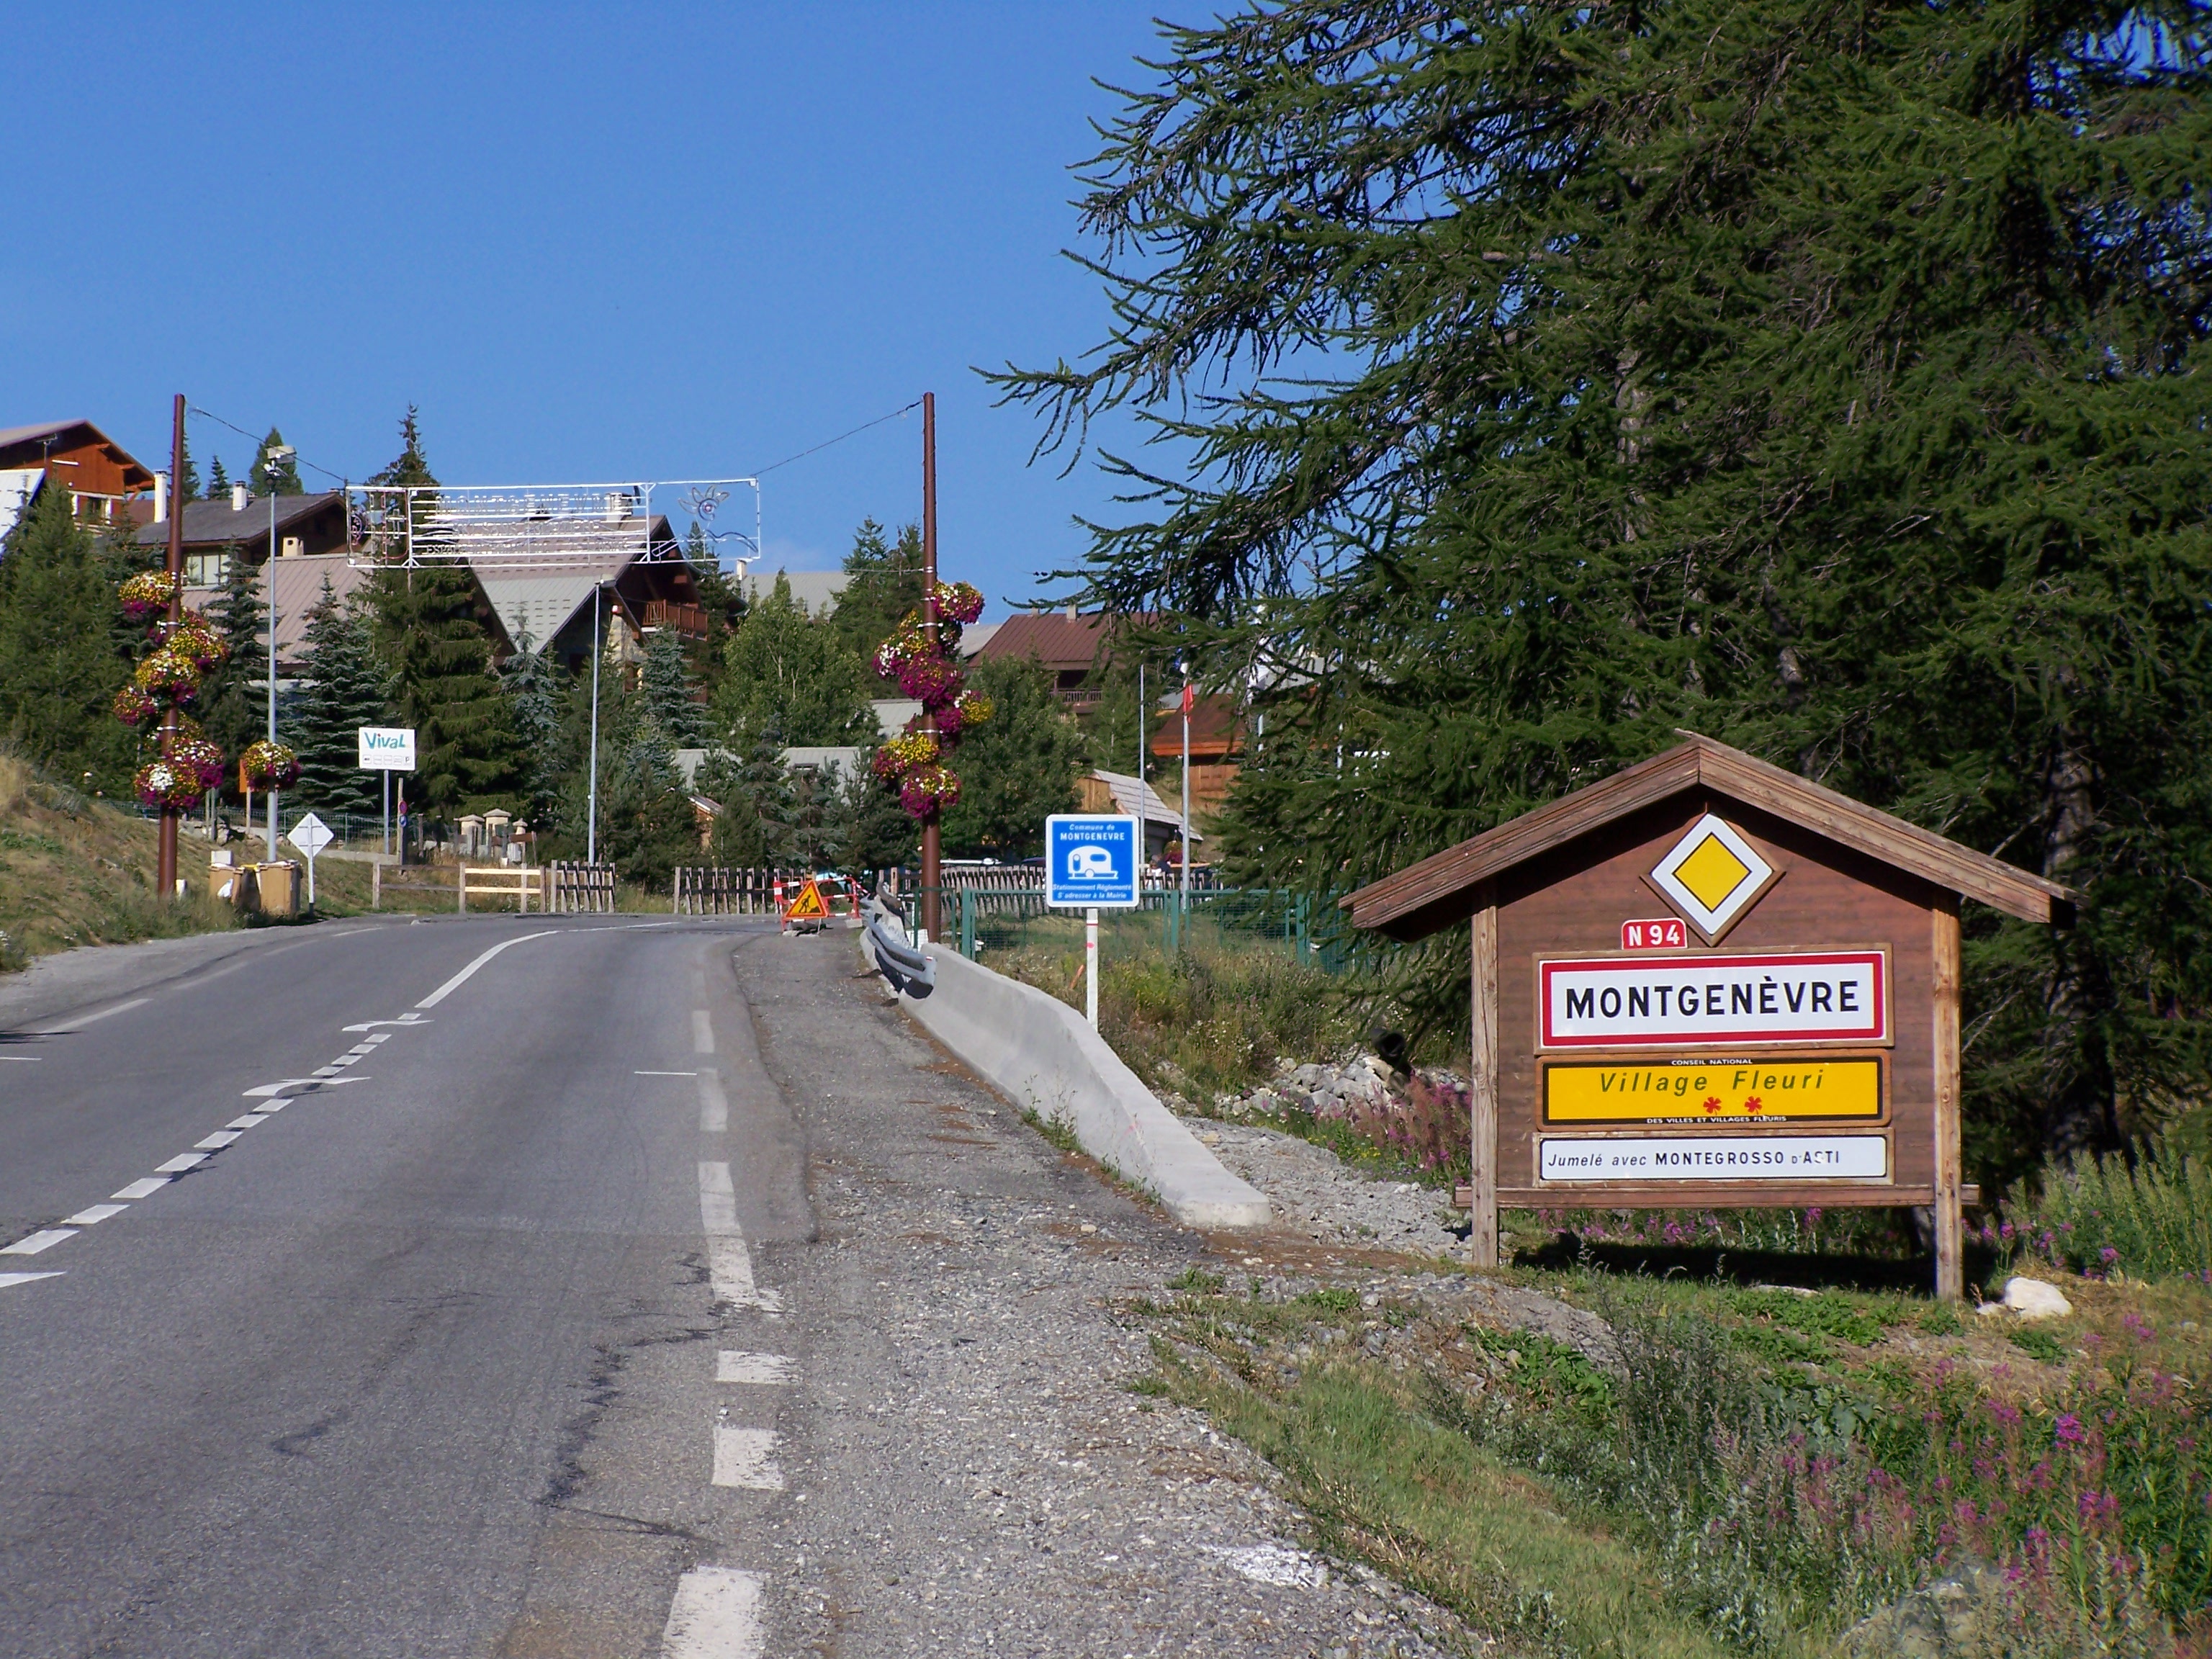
x=462, y=978
x=97, y=1213
x=217, y=1141
x=145, y=1187
x=746, y=1458
x=729, y=1263
x=79, y=1024
x=180, y=1163
x=703, y=1032
x=664, y=1073
x=714, y=1105
x=45, y=1239
x=716, y=1614
x=770, y=1370
x=6, y=1279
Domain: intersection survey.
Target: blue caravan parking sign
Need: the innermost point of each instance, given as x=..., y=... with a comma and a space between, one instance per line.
x=1091, y=859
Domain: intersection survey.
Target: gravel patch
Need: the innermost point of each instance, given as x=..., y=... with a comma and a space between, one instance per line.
x=967, y=1470
x=1316, y=1194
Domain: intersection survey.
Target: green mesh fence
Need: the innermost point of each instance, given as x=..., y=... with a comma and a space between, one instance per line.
x=986, y=920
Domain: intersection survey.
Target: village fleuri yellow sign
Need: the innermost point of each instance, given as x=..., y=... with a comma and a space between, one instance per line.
x=1771, y=1088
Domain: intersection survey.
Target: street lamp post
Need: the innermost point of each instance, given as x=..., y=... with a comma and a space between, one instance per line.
x=592, y=810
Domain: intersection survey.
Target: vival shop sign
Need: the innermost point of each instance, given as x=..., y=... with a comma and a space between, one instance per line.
x=1717, y=1158
x=387, y=748
x=1667, y=1002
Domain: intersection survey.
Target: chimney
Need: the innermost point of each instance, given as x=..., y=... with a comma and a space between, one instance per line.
x=1071, y=613
x=240, y=495
x=160, y=498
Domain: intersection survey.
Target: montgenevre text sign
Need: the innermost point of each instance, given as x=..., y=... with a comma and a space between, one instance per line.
x=1667, y=1002
x=1716, y=1158
x=387, y=748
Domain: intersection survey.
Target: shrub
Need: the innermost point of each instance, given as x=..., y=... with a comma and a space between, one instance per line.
x=2147, y=1215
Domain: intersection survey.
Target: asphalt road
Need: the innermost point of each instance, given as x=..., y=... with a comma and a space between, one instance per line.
x=326, y=1391
x=590, y=1286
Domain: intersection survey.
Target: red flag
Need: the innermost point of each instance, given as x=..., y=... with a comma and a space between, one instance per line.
x=1188, y=700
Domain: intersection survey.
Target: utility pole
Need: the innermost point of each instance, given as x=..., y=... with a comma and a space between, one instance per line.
x=933, y=845
x=165, y=861
x=591, y=810
x=269, y=463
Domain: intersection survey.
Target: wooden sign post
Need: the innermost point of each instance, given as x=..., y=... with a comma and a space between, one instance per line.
x=1706, y=983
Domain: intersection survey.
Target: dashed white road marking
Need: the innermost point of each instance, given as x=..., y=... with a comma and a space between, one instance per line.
x=714, y=1105
x=145, y=1187
x=729, y=1263
x=250, y=1120
x=664, y=1073
x=217, y=1141
x=24, y=1060
x=746, y=1458
x=6, y=1279
x=733, y=1366
x=97, y=1213
x=269, y=1090
x=180, y=1163
x=462, y=978
x=717, y=1614
x=703, y=1032
x=371, y=1025
x=44, y=1240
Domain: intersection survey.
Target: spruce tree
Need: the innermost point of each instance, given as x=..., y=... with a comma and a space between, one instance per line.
x=532, y=683
x=234, y=707
x=1016, y=768
x=667, y=684
x=280, y=478
x=1827, y=381
x=882, y=582
x=756, y=827
x=218, y=480
x=344, y=691
x=59, y=665
x=187, y=483
x=435, y=649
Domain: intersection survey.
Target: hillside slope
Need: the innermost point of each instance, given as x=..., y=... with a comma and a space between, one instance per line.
x=78, y=872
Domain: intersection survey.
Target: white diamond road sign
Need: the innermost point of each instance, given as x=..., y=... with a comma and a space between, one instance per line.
x=311, y=834
x=1091, y=859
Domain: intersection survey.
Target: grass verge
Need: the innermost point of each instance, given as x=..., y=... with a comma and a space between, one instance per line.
x=1728, y=1468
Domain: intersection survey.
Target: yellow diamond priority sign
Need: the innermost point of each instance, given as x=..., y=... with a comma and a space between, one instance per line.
x=1713, y=875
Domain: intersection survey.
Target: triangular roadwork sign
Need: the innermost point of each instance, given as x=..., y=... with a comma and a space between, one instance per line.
x=808, y=905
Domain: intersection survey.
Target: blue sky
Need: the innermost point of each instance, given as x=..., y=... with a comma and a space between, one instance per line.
x=592, y=243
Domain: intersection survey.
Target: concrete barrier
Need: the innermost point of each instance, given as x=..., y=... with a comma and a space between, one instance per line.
x=1041, y=1054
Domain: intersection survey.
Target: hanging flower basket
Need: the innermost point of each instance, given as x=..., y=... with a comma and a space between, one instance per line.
x=195, y=639
x=168, y=676
x=148, y=595
x=134, y=707
x=932, y=679
x=928, y=790
x=266, y=765
x=200, y=758
x=168, y=784
x=974, y=708
x=909, y=644
x=960, y=602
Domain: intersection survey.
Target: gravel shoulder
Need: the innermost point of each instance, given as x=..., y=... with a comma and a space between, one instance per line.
x=969, y=1471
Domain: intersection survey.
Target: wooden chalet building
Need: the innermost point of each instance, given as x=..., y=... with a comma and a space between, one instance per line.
x=106, y=483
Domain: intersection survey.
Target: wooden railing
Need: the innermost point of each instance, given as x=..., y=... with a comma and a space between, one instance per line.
x=713, y=891
x=573, y=888
x=514, y=881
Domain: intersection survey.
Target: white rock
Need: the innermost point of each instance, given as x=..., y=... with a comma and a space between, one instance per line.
x=2031, y=1298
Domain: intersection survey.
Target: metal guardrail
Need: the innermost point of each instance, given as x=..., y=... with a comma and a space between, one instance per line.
x=909, y=971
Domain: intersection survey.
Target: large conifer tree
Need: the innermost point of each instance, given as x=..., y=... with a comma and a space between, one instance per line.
x=1831, y=380
x=60, y=664
x=344, y=691
x=234, y=708
x=431, y=638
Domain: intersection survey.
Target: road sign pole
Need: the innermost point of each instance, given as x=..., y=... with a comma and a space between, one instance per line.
x=1091, y=965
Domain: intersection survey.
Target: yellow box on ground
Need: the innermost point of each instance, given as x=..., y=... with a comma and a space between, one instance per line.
x=1780, y=1087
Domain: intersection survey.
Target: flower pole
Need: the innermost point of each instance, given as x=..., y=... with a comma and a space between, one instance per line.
x=933, y=872
x=166, y=682
x=164, y=859
x=924, y=656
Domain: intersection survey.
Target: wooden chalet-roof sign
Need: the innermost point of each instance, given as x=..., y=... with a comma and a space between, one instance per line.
x=1705, y=981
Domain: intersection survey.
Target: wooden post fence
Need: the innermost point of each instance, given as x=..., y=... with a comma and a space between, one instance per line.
x=572, y=887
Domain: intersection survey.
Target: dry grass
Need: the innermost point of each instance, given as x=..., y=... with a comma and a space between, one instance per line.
x=79, y=871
